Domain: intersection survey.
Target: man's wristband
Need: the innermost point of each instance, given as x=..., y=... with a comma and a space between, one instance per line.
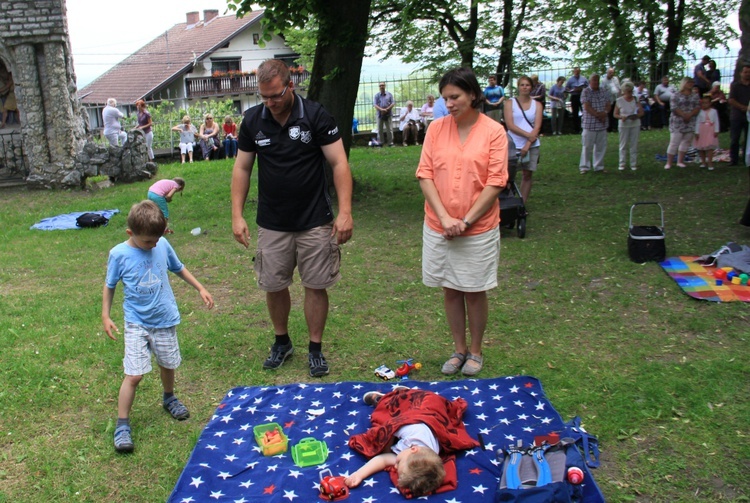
x=466, y=222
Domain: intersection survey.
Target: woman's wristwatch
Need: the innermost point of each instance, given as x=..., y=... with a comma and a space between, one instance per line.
x=466, y=222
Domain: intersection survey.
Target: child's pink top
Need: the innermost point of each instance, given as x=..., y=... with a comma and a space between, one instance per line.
x=162, y=187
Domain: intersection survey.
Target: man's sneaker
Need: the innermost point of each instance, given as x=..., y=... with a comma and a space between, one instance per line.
x=175, y=407
x=123, y=440
x=318, y=364
x=278, y=355
x=372, y=397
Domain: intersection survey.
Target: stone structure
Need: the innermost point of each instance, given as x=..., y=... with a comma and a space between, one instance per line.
x=35, y=47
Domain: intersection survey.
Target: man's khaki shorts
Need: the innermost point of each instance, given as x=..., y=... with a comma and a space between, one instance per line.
x=314, y=252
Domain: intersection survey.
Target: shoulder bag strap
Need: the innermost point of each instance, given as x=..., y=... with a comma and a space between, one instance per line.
x=524, y=113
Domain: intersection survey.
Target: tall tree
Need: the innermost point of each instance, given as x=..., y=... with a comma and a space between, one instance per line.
x=642, y=38
x=439, y=34
x=431, y=32
x=341, y=39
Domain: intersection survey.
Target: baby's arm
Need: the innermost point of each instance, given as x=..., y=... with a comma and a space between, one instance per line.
x=190, y=280
x=107, y=295
x=375, y=465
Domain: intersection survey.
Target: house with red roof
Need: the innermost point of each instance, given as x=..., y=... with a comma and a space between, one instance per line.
x=213, y=58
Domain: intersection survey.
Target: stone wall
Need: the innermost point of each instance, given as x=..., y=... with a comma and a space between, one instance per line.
x=34, y=45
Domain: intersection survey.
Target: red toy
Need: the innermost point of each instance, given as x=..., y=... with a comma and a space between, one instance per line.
x=332, y=488
x=406, y=367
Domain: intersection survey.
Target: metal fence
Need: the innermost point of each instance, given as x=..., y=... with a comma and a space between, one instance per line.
x=417, y=87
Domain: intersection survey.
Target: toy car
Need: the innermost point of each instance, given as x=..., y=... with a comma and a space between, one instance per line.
x=384, y=373
x=332, y=488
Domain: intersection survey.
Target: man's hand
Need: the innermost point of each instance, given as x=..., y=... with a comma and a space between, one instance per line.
x=342, y=228
x=241, y=232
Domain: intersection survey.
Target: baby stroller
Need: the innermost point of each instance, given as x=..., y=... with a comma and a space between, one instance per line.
x=512, y=209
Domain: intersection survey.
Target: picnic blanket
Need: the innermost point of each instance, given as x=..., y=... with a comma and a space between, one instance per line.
x=67, y=221
x=698, y=281
x=227, y=464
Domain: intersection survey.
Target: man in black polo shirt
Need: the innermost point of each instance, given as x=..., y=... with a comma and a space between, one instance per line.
x=292, y=139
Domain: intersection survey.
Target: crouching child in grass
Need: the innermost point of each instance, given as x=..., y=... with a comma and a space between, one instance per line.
x=414, y=436
x=151, y=316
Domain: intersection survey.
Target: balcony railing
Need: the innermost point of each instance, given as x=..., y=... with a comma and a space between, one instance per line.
x=203, y=87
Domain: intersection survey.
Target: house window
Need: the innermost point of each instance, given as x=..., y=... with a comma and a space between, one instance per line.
x=289, y=59
x=225, y=65
x=256, y=38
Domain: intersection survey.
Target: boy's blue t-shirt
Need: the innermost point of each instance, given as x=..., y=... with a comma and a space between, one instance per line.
x=148, y=299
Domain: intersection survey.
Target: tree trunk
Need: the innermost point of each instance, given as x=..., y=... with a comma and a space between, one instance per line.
x=338, y=60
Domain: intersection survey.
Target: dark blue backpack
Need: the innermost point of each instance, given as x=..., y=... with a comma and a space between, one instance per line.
x=539, y=473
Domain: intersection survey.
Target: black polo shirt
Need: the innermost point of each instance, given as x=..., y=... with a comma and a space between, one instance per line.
x=292, y=187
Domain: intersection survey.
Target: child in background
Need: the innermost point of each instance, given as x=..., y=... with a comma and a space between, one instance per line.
x=151, y=315
x=161, y=193
x=410, y=431
x=707, y=132
x=187, y=137
x=230, y=137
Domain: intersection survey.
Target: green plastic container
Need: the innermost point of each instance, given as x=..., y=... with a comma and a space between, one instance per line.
x=309, y=452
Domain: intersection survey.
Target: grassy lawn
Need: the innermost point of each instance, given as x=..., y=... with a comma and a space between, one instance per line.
x=660, y=378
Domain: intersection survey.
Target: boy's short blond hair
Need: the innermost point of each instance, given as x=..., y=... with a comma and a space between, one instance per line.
x=146, y=219
x=423, y=473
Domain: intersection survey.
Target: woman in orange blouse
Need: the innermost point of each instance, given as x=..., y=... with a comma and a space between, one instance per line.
x=463, y=167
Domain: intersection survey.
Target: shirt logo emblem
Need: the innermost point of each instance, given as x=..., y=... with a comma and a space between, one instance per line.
x=260, y=135
x=294, y=132
x=306, y=137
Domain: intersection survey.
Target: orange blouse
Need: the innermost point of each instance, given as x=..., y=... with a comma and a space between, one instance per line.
x=461, y=171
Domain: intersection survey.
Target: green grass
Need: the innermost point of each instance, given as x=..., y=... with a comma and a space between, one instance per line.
x=660, y=378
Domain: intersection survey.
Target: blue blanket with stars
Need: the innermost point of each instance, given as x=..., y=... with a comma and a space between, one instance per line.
x=227, y=465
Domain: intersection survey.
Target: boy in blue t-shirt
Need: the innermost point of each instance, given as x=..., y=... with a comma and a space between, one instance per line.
x=151, y=314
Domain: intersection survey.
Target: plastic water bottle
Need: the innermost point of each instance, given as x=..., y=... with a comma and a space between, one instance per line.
x=196, y=231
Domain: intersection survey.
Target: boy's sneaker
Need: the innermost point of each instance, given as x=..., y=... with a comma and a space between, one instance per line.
x=318, y=364
x=123, y=440
x=175, y=407
x=278, y=355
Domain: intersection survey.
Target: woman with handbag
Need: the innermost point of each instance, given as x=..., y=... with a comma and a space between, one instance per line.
x=523, y=118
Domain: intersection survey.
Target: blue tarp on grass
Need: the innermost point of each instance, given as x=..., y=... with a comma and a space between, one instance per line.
x=68, y=220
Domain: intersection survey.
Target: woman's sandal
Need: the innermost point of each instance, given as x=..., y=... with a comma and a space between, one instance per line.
x=450, y=368
x=473, y=365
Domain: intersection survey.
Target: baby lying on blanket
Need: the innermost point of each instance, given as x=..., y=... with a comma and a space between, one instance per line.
x=414, y=435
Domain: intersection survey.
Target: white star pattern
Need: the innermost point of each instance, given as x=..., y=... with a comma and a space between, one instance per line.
x=226, y=447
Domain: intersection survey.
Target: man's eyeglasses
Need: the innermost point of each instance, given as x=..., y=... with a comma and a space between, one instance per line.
x=275, y=99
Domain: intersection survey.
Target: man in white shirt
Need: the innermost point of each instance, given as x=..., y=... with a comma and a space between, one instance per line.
x=112, y=128
x=662, y=98
x=611, y=83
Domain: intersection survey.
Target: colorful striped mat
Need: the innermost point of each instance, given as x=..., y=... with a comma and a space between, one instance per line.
x=698, y=281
